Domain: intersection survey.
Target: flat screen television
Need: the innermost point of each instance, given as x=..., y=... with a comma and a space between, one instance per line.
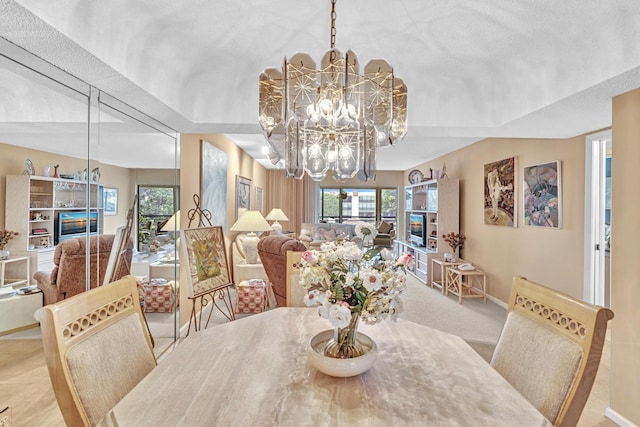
x=417, y=229
x=71, y=224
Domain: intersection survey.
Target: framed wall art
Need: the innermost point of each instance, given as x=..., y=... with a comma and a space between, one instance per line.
x=110, y=201
x=243, y=194
x=206, y=256
x=500, y=193
x=213, y=184
x=542, y=195
x=258, y=205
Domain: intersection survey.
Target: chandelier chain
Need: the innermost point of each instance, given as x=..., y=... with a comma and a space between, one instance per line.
x=333, y=24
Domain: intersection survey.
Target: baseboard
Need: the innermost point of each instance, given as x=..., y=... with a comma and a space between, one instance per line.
x=497, y=301
x=617, y=418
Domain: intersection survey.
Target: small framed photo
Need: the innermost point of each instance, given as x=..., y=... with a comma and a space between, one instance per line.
x=110, y=201
x=243, y=195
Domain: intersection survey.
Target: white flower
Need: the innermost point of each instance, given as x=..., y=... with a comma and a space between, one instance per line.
x=313, y=298
x=324, y=309
x=339, y=315
x=386, y=254
x=363, y=229
x=371, y=279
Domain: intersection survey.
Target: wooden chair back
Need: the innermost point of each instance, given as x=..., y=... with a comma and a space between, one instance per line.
x=556, y=377
x=97, y=349
x=295, y=291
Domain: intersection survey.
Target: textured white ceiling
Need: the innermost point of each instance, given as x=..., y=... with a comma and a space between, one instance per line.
x=527, y=68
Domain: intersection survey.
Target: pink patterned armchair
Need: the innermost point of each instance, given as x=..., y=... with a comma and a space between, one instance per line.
x=273, y=254
x=68, y=277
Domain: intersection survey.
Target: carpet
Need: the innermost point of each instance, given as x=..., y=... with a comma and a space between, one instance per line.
x=477, y=323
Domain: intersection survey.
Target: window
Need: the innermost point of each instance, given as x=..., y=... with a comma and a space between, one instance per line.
x=156, y=204
x=350, y=205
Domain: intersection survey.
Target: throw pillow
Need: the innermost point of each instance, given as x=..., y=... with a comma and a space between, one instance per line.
x=317, y=232
x=385, y=227
x=330, y=235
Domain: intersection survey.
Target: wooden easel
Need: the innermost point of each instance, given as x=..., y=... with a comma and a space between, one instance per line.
x=200, y=301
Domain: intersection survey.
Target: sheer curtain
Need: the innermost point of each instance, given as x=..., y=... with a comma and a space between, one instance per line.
x=296, y=197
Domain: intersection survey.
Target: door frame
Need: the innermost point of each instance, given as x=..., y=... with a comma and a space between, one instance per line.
x=594, y=206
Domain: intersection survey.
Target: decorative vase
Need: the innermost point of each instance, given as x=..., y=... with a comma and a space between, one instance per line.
x=341, y=367
x=55, y=171
x=344, y=344
x=450, y=257
x=4, y=253
x=367, y=241
x=46, y=171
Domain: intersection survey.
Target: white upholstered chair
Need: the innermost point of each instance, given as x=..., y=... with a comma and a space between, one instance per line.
x=550, y=349
x=295, y=291
x=97, y=349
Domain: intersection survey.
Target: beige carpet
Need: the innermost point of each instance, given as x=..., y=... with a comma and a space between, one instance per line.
x=477, y=323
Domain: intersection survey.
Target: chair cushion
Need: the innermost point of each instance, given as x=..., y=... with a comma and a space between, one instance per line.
x=537, y=362
x=100, y=371
x=385, y=227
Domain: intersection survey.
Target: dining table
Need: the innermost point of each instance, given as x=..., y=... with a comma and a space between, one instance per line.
x=255, y=371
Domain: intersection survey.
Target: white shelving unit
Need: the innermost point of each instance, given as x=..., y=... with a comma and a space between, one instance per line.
x=32, y=204
x=439, y=201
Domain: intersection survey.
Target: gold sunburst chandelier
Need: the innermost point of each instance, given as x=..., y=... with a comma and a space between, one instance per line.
x=333, y=118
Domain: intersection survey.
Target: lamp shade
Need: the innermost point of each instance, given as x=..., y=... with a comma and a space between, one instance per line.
x=276, y=215
x=251, y=221
x=173, y=223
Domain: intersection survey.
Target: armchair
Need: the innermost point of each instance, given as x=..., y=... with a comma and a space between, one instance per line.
x=68, y=277
x=385, y=235
x=273, y=253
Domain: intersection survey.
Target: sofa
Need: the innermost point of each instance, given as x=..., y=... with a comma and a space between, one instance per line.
x=313, y=235
x=68, y=277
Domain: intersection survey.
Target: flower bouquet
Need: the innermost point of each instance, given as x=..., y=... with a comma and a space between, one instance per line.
x=349, y=285
x=455, y=241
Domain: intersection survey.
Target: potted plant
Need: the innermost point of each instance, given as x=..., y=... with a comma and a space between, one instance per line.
x=455, y=241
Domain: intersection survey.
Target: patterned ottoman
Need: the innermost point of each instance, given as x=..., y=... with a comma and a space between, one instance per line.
x=251, y=296
x=159, y=295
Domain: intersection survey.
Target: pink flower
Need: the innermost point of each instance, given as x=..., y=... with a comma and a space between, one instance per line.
x=405, y=258
x=309, y=256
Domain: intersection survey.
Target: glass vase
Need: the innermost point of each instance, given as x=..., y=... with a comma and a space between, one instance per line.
x=4, y=253
x=344, y=344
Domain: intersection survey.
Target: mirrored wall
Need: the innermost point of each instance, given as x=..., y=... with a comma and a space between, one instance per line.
x=79, y=165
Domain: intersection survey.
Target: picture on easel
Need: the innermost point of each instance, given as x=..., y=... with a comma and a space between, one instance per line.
x=206, y=256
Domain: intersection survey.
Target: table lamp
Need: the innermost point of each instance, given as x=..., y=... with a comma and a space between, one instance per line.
x=173, y=224
x=276, y=215
x=251, y=222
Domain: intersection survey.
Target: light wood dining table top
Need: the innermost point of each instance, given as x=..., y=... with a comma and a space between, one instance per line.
x=254, y=372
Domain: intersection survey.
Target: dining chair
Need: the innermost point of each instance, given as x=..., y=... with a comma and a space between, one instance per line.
x=550, y=348
x=97, y=349
x=295, y=291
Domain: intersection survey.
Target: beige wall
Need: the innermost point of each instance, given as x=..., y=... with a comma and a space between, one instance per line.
x=548, y=256
x=238, y=163
x=625, y=229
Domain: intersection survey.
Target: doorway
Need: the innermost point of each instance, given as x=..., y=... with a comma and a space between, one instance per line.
x=598, y=154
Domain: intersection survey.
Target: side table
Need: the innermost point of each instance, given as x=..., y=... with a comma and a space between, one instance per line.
x=11, y=266
x=441, y=280
x=474, y=286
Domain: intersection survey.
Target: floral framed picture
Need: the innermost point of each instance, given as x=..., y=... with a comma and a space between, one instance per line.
x=500, y=193
x=243, y=194
x=110, y=201
x=206, y=256
x=542, y=195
